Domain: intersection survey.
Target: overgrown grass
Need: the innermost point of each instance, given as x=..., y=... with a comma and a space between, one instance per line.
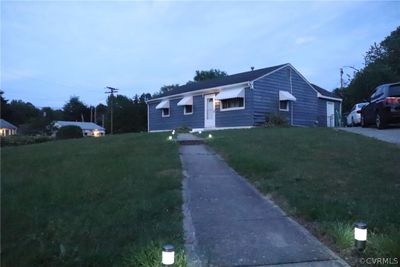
x=90, y=202
x=326, y=177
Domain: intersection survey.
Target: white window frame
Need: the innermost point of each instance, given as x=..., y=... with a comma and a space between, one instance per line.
x=287, y=105
x=162, y=113
x=185, y=112
x=234, y=108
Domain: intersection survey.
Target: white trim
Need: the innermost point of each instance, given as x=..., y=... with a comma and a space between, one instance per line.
x=148, y=119
x=221, y=128
x=269, y=73
x=204, y=91
x=287, y=105
x=184, y=110
x=206, y=97
x=162, y=113
x=329, y=98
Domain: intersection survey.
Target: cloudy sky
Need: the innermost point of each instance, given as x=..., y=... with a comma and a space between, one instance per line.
x=51, y=50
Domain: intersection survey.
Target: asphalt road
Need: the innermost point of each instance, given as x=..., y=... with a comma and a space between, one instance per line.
x=391, y=134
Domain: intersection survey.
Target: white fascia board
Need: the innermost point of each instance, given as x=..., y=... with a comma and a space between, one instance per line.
x=329, y=98
x=201, y=91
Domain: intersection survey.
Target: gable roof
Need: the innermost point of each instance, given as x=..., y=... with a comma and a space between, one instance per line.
x=230, y=79
x=324, y=92
x=6, y=124
x=82, y=125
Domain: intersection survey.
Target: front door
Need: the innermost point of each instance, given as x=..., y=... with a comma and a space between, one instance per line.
x=209, y=111
x=330, y=114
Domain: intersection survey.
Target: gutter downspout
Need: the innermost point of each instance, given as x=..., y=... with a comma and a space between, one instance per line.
x=291, y=91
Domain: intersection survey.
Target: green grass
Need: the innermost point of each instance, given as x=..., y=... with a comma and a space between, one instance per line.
x=325, y=177
x=91, y=202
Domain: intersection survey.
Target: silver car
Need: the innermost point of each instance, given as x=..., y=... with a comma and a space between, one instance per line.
x=354, y=117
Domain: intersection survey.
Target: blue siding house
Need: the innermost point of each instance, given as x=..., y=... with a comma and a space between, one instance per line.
x=245, y=100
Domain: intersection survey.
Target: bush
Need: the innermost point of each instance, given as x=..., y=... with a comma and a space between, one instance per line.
x=19, y=140
x=275, y=119
x=183, y=129
x=69, y=132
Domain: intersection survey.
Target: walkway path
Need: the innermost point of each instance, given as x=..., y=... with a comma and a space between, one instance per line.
x=228, y=223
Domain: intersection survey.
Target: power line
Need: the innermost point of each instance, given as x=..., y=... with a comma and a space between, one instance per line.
x=111, y=91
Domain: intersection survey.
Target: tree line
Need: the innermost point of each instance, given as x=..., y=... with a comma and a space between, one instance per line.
x=130, y=114
x=381, y=65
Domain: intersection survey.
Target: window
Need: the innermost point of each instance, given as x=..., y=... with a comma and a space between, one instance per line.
x=284, y=105
x=187, y=109
x=232, y=103
x=165, y=112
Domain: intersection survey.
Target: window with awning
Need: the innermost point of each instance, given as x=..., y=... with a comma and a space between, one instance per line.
x=186, y=101
x=163, y=105
x=231, y=99
x=284, y=98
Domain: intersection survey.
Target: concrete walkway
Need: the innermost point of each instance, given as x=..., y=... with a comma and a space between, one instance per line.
x=228, y=223
x=391, y=135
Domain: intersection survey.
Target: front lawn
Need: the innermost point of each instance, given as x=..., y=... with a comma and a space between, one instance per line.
x=109, y=201
x=326, y=178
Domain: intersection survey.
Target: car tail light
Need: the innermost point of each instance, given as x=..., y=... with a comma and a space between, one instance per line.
x=392, y=100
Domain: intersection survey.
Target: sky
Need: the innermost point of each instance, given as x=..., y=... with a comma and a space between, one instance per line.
x=52, y=50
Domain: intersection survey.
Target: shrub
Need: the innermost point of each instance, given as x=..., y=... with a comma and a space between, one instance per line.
x=19, y=140
x=69, y=132
x=275, y=119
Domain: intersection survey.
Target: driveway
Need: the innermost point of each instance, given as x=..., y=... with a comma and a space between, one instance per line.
x=391, y=135
x=229, y=223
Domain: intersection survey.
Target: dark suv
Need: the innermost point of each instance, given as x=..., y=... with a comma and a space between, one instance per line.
x=383, y=107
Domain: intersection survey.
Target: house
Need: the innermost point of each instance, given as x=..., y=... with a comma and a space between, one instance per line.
x=244, y=100
x=7, y=128
x=88, y=128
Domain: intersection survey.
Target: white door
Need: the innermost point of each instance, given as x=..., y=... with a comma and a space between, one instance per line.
x=209, y=111
x=330, y=114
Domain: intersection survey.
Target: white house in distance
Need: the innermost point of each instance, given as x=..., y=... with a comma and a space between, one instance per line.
x=88, y=128
x=7, y=128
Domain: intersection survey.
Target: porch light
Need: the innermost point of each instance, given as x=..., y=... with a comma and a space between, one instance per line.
x=209, y=135
x=170, y=137
x=360, y=235
x=168, y=255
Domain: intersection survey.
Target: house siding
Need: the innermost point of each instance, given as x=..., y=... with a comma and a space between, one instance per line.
x=236, y=118
x=176, y=118
x=266, y=98
x=322, y=116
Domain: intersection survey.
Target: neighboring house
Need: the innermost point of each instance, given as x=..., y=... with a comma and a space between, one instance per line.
x=7, y=128
x=88, y=128
x=245, y=100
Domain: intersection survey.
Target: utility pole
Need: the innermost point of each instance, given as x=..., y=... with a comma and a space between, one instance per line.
x=341, y=78
x=111, y=91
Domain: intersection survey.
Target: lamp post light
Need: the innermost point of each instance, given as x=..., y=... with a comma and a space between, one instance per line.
x=360, y=235
x=168, y=255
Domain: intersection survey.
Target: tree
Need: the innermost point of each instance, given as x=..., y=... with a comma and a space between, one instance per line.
x=208, y=74
x=75, y=110
x=382, y=65
x=5, y=112
x=22, y=112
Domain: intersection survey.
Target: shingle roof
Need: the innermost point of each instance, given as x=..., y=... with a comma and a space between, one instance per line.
x=230, y=79
x=325, y=92
x=82, y=125
x=6, y=124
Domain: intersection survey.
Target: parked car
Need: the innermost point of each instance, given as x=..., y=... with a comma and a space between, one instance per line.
x=354, y=117
x=383, y=107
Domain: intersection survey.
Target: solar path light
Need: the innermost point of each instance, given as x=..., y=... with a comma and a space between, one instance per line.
x=168, y=255
x=360, y=235
x=210, y=136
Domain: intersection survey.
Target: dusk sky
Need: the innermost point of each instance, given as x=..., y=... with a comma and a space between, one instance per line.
x=51, y=50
